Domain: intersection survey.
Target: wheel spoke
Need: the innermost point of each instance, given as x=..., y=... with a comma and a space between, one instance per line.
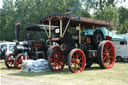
x=9, y=61
x=104, y=58
x=19, y=60
x=77, y=60
x=108, y=55
x=75, y=67
x=110, y=50
x=56, y=60
x=72, y=60
x=77, y=55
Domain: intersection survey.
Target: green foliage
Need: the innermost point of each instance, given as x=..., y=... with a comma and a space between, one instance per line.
x=123, y=19
x=123, y=13
x=101, y=4
x=109, y=14
x=7, y=15
x=29, y=12
x=90, y=76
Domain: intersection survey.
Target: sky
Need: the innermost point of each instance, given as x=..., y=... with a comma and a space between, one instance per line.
x=1, y=2
x=125, y=4
x=118, y=5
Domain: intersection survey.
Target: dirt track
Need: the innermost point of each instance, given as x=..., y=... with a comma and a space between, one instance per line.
x=13, y=81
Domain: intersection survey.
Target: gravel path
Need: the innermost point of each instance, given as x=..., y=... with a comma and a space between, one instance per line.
x=4, y=80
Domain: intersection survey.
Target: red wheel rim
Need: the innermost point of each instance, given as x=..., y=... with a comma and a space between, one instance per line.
x=77, y=61
x=108, y=55
x=57, y=60
x=10, y=61
x=52, y=48
x=20, y=59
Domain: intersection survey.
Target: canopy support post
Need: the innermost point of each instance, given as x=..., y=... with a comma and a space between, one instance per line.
x=61, y=24
x=66, y=28
x=49, y=29
x=46, y=31
x=79, y=34
x=93, y=28
x=108, y=30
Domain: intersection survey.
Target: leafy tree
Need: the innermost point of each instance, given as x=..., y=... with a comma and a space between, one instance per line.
x=123, y=19
x=29, y=12
x=101, y=4
x=7, y=17
x=109, y=14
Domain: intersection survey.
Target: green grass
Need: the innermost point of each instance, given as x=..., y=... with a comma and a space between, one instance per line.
x=118, y=75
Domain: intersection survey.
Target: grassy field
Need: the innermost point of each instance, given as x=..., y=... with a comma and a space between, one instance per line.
x=118, y=75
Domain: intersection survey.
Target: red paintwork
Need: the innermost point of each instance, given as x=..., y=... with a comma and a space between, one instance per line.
x=108, y=55
x=57, y=60
x=108, y=38
x=77, y=61
x=19, y=61
x=10, y=61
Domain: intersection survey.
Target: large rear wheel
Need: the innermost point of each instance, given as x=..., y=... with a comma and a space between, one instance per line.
x=97, y=37
x=19, y=60
x=9, y=61
x=76, y=61
x=106, y=55
x=56, y=59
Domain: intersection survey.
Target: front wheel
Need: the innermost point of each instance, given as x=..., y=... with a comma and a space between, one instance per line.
x=76, y=61
x=106, y=55
x=19, y=60
x=9, y=61
x=56, y=60
x=50, y=49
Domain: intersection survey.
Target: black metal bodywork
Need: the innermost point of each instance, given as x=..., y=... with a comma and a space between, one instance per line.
x=70, y=34
x=34, y=49
x=77, y=39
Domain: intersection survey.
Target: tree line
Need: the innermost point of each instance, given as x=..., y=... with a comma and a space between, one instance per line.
x=29, y=12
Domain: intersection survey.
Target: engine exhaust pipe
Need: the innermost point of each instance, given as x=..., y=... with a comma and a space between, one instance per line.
x=17, y=31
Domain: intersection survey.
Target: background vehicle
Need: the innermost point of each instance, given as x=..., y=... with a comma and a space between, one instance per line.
x=124, y=35
x=34, y=47
x=2, y=50
x=121, y=49
x=76, y=49
x=6, y=48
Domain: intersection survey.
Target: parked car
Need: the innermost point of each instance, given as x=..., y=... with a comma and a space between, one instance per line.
x=2, y=51
x=125, y=36
x=9, y=48
x=6, y=48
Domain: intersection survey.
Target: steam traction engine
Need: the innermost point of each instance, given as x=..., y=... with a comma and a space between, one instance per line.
x=28, y=49
x=76, y=49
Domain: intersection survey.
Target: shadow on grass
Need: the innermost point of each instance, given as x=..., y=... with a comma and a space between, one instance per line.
x=63, y=72
x=121, y=62
x=32, y=74
x=93, y=68
x=8, y=68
